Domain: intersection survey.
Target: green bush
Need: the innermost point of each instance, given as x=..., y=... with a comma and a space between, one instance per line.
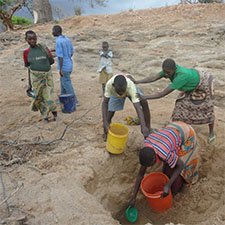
x=20, y=20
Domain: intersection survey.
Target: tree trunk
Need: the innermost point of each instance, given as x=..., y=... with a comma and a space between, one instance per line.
x=7, y=17
x=8, y=23
x=6, y=20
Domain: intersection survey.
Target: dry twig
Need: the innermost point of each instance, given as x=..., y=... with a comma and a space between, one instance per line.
x=3, y=193
x=14, y=192
x=15, y=144
x=21, y=210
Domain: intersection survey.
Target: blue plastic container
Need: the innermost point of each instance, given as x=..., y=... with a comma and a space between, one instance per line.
x=67, y=103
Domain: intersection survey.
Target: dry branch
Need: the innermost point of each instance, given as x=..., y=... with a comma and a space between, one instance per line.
x=16, y=144
x=4, y=193
x=21, y=210
x=14, y=192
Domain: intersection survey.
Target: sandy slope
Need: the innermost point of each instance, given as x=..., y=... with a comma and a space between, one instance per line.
x=75, y=180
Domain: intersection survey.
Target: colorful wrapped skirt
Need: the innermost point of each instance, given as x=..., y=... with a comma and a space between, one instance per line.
x=43, y=88
x=197, y=106
x=188, y=152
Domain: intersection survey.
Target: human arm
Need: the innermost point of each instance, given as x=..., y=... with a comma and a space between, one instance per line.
x=105, y=104
x=106, y=54
x=148, y=79
x=27, y=64
x=59, y=54
x=72, y=49
x=103, y=53
x=110, y=54
x=50, y=57
x=60, y=66
x=51, y=60
x=137, y=185
x=29, y=79
x=144, y=129
x=176, y=172
x=161, y=94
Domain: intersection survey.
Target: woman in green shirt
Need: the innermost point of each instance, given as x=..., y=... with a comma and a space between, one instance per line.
x=194, y=104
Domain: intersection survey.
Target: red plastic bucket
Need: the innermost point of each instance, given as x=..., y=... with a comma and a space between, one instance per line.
x=152, y=187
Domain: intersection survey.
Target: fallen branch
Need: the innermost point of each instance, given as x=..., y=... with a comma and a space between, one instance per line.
x=4, y=193
x=9, y=171
x=15, y=144
x=14, y=192
x=19, y=220
x=11, y=162
x=21, y=210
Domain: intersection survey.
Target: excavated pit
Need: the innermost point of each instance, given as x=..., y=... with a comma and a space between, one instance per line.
x=113, y=185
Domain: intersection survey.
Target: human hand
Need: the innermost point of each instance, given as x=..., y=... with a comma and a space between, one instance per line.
x=132, y=202
x=106, y=128
x=61, y=72
x=166, y=191
x=145, y=131
x=29, y=87
x=105, y=53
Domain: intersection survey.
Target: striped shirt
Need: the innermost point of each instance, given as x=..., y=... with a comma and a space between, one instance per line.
x=166, y=144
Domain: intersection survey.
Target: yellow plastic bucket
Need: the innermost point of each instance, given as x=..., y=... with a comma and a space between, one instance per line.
x=117, y=138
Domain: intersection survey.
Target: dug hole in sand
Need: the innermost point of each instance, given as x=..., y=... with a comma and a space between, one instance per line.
x=61, y=173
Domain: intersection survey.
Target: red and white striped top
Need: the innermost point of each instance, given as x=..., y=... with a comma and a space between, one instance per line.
x=166, y=144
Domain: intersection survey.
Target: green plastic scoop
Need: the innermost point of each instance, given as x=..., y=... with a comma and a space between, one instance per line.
x=131, y=214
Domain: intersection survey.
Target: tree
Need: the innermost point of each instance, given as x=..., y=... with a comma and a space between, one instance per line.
x=7, y=9
x=96, y=2
x=210, y=1
x=92, y=3
x=29, y=5
x=42, y=11
x=199, y=1
x=77, y=7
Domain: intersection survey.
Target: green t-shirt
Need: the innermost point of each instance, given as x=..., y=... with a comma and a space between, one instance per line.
x=184, y=79
x=36, y=59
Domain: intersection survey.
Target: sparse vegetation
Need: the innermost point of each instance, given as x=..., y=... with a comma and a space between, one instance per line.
x=199, y=1
x=20, y=20
x=7, y=9
x=77, y=10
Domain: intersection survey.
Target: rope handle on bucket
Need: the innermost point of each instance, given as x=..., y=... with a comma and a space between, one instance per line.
x=119, y=149
x=154, y=196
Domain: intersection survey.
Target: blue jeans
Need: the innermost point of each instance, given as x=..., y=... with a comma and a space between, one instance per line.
x=66, y=85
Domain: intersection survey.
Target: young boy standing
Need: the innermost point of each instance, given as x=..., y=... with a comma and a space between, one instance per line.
x=64, y=53
x=117, y=89
x=105, y=66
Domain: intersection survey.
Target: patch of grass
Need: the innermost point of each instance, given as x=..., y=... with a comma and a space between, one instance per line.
x=21, y=21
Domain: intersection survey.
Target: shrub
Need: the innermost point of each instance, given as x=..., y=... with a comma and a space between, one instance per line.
x=20, y=20
x=77, y=10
